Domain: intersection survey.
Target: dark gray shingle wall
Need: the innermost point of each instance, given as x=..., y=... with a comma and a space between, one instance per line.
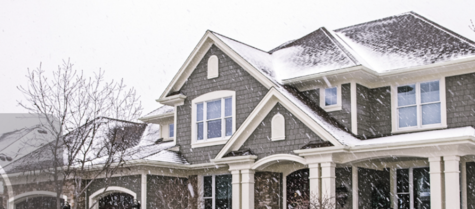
x=460, y=94
x=297, y=135
x=249, y=93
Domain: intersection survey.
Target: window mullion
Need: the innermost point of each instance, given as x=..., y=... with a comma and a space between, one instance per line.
x=418, y=105
x=223, y=125
x=214, y=191
x=205, y=121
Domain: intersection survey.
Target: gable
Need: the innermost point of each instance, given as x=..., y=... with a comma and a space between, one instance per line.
x=297, y=135
x=237, y=54
x=232, y=77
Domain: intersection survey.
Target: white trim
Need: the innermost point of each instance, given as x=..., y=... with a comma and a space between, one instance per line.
x=198, y=53
x=419, y=127
x=261, y=111
x=266, y=161
x=109, y=190
x=157, y=118
x=354, y=109
x=19, y=198
x=174, y=100
x=213, y=67
x=278, y=127
x=143, y=190
x=203, y=99
x=335, y=107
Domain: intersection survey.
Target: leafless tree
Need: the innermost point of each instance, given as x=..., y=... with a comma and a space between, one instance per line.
x=314, y=202
x=86, y=143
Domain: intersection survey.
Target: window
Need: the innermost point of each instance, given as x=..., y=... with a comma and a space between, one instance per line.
x=217, y=192
x=413, y=188
x=171, y=130
x=419, y=105
x=330, y=98
x=213, y=118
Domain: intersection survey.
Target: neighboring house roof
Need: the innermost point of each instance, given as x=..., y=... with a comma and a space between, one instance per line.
x=144, y=139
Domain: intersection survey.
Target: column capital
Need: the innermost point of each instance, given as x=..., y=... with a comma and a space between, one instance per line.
x=452, y=158
x=327, y=164
x=435, y=159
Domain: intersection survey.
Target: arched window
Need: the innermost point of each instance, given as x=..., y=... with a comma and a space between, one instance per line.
x=278, y=127
x=213, y=67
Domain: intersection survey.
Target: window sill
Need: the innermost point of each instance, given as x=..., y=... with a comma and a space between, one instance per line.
x=209, y=142
x=278, y=138
x=332, y=108
x=168, y=139
x=407, y=130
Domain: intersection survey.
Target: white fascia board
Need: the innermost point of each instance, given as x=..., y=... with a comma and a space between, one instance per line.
x=261, y=111
x=160, y=117
x=172, y=100
x=236, y=159
x=372, y=79
x=198, y=53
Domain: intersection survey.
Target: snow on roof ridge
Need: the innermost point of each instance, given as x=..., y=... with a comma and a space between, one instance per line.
x=281, y=46
x=353, y=52
x=151, y=113
x=237, y=41
x=374, y=21
x=339, y=45
x=442, y=28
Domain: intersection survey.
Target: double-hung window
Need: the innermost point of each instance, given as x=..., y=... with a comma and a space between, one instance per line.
x=217, y=192
x=171, y=130
x=419, y=105
x=213, y=118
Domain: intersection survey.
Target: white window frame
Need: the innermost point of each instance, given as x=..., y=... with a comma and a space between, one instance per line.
x=206, y=98
x=419, y=127
x=201, y=182
x=171, y=131
x=335, y=107
x=411, y=184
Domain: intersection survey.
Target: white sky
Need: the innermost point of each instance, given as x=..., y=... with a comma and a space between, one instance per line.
x=146, y=42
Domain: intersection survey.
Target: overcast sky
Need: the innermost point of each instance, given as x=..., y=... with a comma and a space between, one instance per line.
x=146, y=42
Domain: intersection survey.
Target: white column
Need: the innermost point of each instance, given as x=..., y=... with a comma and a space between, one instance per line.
x=354, y=185
x=247, y=186
x=328, y=181
x=284, y=192
x=143, y=201
x=452, y=182
x=236, y=182
x=463, y=168
x=314, y=178
x=436, y=183
x=393, y=186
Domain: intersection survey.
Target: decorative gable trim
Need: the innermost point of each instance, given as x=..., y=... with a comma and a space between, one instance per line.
x=261, y=111
x=197, y=55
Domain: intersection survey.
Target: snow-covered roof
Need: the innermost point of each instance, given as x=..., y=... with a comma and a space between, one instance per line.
x=405, y=40
x=160, y=111
x=145, y=143
x=388, y=44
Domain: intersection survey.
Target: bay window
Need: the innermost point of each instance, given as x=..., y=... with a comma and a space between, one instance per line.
x=213, y=118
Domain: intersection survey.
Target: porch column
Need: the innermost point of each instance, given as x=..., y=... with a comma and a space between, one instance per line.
x=247, y=186
x=328, y=181
x=452, y=181
x=436, y=183
x=143, y=201
x=314, y=178
x=354, y=186
x=236, y=182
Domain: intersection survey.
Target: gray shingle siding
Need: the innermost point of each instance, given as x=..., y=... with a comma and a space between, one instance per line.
x=373, y=111
x=249, y=92
x=297, y=135
x=460, y=95
x=344, y=115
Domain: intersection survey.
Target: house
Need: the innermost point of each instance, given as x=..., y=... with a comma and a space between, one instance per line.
x=374, y=115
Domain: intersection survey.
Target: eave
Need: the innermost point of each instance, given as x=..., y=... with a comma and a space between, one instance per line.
x=178, y=99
